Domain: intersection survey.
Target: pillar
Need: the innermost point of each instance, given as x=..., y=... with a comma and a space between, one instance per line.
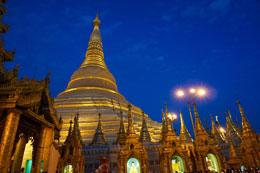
x=8, y=138
x=43, y=150
x=18, y=154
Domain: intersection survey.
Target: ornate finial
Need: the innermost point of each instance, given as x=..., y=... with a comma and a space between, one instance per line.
x=99, y=138
x=198, y=124
x=47, y=79
x=184, y=133
x=69, y=133
x=229, y=114
x=182, y=122
x=195, y=109
x=76, y=130
x=130, y=129
x=213, y=126
x=144, y=134
x=164, y=124
x=217, y=134
x=191, y=117
x=165, y=108
x=96, y=21
x=231, y=127
x=241, y=109
x=121, y=137
x=245, y=124
x=216, y=118
x=95, y=54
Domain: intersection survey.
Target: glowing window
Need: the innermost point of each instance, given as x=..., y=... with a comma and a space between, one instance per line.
x=133, y=166
x=68, y=169
x=212, y=163
x=177, y=164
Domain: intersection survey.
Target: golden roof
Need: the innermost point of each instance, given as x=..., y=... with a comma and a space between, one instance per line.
x=93, y=74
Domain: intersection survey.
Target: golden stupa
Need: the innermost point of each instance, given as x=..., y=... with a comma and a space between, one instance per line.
x=92, y=90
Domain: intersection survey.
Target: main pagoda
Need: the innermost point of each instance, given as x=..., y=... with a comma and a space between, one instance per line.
x=92, y=90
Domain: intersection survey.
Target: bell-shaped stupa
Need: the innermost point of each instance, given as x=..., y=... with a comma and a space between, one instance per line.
x=92, y=90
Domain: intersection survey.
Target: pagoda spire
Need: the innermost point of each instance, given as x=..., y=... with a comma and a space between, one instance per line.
x=232, y=133
x=99, y=138
x=184, y=133
x=230, y=125
x=76, y=130
x=69, y=133
x=163, y=122
x=245, y=124
x=168, y=123
x=214, y=131
x=95, y=55
x=164, y=127
x=198, y=125
x=191, y=117
x=144, y=134
x=130, y=129
x=121, y=135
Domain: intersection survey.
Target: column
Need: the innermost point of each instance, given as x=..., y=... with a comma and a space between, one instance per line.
x=8, y=138
x=18, y=154
x=43, y=150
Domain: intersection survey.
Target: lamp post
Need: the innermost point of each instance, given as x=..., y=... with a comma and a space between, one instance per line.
x=191, y=93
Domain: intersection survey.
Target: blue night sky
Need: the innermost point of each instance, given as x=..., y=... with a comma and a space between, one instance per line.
x=150, y=46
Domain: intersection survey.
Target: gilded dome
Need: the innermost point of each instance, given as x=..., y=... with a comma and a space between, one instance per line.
x=92, y=89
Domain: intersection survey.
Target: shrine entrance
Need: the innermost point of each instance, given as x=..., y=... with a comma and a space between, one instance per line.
x=27, y=156
x=212, y=163
x=133, y=166
x=177, y=164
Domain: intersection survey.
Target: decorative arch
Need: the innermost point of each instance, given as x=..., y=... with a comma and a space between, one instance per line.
x=133, y=165
x=68, y=169
x=177, y=164
x=212, y=163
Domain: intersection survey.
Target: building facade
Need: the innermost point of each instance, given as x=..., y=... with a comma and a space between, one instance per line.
x=122, y=134
x=29, y=127
x=109, y=134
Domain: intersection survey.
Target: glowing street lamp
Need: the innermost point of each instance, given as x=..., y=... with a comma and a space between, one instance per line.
x=201, y=92
x=172, y=116
x=192, y=90
x=192, y=93
x=179, y=93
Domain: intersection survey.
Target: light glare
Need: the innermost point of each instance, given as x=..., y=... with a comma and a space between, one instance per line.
x=192, y=90
x=180, y=93
x=201, y=92
x=172, y=116
x=222, y=130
